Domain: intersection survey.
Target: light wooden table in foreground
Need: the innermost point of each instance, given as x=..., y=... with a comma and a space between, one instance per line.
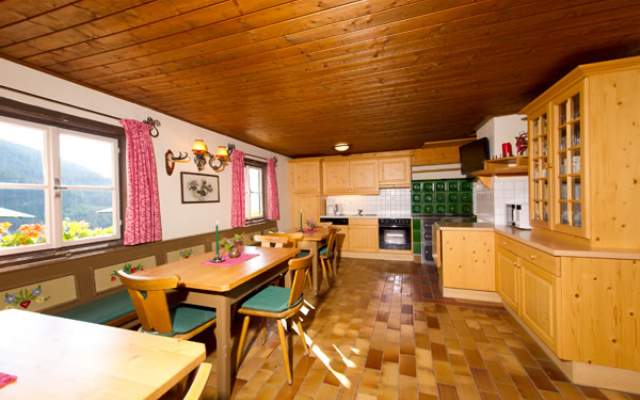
x=221, y=287
x=57, y=358
x=311, y=241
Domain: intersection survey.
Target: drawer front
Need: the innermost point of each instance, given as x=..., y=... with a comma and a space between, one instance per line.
x=363, y=221
x=544, y=260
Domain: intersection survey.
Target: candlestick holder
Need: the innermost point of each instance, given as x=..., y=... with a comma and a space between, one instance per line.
x=217, y=259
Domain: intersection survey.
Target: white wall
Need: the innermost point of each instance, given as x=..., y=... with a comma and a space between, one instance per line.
x=490, y=204
x=178, y=219
x=501, y=130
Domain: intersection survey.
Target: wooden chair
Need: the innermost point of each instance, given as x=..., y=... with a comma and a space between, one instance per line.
x=327, y=255
x=149, y=299
x=199, y=382
x=294, y=239
x=272, y=240
x=280, y=304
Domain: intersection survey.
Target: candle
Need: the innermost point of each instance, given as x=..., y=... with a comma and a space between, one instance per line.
x=301, y=220
x=217, y=241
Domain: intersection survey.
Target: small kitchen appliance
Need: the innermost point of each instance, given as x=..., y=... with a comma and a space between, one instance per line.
x=518, y=215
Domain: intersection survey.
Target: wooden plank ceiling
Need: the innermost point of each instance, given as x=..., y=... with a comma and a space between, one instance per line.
x=298, y=76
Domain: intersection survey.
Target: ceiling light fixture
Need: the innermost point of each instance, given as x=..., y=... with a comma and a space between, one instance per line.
x=341, y=147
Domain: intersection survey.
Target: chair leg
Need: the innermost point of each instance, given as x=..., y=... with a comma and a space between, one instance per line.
x=325, y=274
x=302, y=336
x=243, y=336
x=285, y=351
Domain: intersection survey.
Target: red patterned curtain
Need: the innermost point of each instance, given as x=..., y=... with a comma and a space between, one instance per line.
x=142, y=217
x=273, y=204
x=237, y=189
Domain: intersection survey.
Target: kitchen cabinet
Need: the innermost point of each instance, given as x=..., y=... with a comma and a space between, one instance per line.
x=347, y=176
x=508, y=277
x=336, y=177
x=344, y=231
x=312, y=207
x=539, y=301
x=304, y=176
x=584, y=144
x=363, y=176
x=363, y=234
x=468, y=259
x=394, y=172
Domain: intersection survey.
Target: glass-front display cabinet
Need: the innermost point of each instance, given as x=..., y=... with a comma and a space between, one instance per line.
x=568, y=138
x=539, y=169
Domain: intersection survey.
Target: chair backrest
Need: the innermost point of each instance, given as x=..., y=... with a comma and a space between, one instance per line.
x=298, y=268
x=331, y=241
x=294, y=237
x=150, y=300
x=199, y=382
x=272, y=240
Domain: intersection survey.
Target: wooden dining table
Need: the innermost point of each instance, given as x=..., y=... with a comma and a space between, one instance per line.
x=221, y=287
x=312, y=241
x=56, y=358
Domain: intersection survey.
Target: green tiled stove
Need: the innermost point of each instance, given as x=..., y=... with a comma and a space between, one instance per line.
x=434, y=199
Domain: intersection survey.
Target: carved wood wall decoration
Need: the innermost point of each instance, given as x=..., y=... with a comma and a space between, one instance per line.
x=298, y=76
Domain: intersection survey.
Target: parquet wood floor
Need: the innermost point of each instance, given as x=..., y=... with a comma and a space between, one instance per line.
x=383, y=331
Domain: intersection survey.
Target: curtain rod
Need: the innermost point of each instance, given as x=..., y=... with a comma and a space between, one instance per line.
x=154, y=123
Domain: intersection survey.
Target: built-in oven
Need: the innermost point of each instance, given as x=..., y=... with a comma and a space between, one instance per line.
x=394, y=233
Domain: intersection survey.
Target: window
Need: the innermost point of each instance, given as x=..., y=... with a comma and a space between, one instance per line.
x=254, y=175
x=58, y=187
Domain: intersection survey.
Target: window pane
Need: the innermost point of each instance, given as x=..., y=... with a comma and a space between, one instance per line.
x=86, y=214
x=255, y=179
x=22, y=218
x=85, y=161
x=22, y=149
x=255, y=205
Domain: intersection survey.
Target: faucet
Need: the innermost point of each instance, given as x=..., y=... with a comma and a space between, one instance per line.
x=336, y=208
x=360, y=212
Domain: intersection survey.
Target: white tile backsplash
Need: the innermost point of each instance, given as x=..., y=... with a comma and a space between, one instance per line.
x=490, y=204
x=390, y=202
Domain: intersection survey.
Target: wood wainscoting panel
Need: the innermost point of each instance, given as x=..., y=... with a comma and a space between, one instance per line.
x=601, y=312
x=40, y=296
x=106, y=277
x=187, y=252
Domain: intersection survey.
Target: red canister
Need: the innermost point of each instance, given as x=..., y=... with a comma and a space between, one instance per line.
x=507, y=151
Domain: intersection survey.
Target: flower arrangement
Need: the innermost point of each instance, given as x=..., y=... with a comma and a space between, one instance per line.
x=521, y=143
x=25, y=297
x=128, y=268
x=233, y=246
x=25, y=235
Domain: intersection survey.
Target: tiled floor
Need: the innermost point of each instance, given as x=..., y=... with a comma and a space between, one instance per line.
x=384, y=332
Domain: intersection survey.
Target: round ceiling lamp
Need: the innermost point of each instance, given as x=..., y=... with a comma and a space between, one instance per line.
x=341, y=147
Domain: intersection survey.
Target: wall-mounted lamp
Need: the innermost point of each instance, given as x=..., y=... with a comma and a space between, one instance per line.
x=217, y=161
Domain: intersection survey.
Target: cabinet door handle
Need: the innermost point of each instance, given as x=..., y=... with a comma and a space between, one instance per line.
x=504, y=243
x=531, y=256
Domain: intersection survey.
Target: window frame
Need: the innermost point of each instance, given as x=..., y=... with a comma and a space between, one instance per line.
x=49, y=119
x=263, y=166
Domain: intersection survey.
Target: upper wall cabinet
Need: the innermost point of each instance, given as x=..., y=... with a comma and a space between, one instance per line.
x=349, y=176
x=304, y=176
x=394, y=172
x=584, y=135
x=335, y=177
x=364, y=176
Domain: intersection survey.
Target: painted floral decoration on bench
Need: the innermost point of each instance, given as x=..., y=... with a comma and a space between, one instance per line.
x=127, y=268
x=186, y=253
x=25, y=297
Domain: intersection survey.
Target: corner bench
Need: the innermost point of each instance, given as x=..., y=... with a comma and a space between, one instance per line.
x=113, y=309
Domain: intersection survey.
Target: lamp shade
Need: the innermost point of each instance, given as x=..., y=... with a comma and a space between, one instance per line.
x=341, y=146
x=222, y=153
x=199, y=147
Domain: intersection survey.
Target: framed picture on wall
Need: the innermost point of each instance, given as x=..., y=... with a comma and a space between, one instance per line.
x=199, y=188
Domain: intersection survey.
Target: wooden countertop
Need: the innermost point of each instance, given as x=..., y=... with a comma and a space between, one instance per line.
x=555, y=244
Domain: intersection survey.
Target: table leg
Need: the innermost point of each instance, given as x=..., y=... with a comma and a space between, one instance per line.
x=314, y=267
x=223, y=347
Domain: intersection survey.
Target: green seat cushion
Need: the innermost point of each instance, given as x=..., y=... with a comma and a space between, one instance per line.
x=272, y=299
x=324, y=252
x=102, y=310
x=303, y=253
x=186, y=317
